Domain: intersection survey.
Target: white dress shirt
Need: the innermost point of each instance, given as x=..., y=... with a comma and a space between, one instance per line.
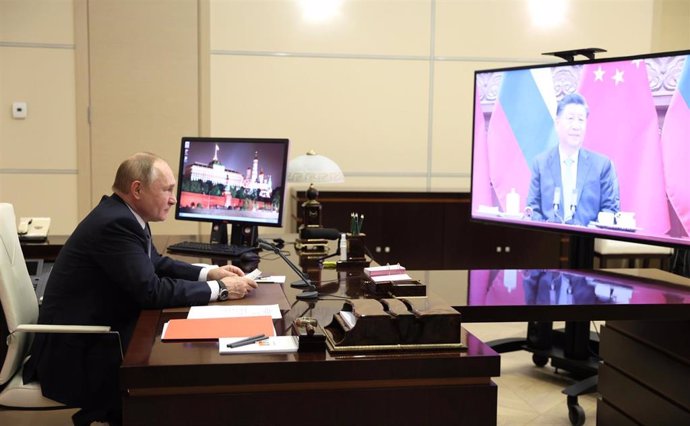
x=569, y=181
x=203, y=274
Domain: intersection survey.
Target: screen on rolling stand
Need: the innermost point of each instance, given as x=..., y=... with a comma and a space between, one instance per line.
x=594, y=148
x=235, y=181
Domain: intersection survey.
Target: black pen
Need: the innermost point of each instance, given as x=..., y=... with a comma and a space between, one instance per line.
x=247, y=341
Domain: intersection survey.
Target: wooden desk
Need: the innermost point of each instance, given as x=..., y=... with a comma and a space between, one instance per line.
x=46, y=250
x=538, y=294
x=645, y=347
x=190, y=383
x=648, y=311
x=645, y=344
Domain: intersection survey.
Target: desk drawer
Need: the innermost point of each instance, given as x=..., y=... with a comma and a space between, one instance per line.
x=637, y=401
x=646, y=365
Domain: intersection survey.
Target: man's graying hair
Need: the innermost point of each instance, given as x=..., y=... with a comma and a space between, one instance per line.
x=139, y=166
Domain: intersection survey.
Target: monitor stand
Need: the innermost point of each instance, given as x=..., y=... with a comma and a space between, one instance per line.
x=581, y=252
x=579, y=349
x=244, y=235
x=573, y=349
x=240, y=235
x=577, y=335
x=219, y=232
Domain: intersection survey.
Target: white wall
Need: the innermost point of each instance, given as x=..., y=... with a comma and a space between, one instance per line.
x=384, y=88
x=38, y=154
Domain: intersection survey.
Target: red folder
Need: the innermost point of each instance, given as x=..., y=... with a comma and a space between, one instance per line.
x=215, y=328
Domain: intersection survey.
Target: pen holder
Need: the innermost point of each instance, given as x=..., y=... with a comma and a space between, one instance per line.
x=355, y=247
x=355, y=258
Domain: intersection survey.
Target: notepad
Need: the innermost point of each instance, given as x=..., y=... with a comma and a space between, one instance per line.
x=215, y=328
x=391, y=278
x=348, y=318
x=274, y=344
x=386, y=270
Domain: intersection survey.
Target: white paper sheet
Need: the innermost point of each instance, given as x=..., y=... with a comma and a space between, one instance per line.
x=225, y=311
x=387, y=278
x=273, y=279
x=274, y=344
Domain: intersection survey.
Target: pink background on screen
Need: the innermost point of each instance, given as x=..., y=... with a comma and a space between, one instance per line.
x=623, y=125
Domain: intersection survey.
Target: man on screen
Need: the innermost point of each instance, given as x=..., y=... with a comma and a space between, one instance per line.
x=569, y=183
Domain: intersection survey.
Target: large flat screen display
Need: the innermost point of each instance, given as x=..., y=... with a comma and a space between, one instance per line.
x=550, y=287
x=232, y=180
x=596, y=147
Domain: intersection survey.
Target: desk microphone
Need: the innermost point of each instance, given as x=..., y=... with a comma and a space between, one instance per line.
x=556, y=202
x=310, y=289
x=557, y=198
x=573, y=206
x=316, y=233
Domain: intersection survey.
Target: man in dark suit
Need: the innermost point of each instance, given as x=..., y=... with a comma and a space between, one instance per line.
x=107, y=272
x=569, y=183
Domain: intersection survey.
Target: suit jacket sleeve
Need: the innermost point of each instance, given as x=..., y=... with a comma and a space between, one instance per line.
x=534, y=195
x=610, y=193
x=155, y=282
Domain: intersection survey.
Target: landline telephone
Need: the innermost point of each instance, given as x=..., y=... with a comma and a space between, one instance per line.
x=33, y=228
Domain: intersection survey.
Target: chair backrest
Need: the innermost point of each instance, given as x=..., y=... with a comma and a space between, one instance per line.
x=17, y=295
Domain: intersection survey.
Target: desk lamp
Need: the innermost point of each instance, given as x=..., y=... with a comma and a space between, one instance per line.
x=313, y=168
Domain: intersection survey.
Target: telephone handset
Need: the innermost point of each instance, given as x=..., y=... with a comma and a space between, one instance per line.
x=33, y=228
x=23, y=227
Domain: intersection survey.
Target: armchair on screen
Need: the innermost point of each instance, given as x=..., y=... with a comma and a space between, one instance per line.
x=630, y=253
x=18, y=321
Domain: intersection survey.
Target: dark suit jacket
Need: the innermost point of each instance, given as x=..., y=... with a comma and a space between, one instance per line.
x=596, y=186
x=103, y=276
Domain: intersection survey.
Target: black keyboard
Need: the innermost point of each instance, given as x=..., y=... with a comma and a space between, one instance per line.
x=209, y=249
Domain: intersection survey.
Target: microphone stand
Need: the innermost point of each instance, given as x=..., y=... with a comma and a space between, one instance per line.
x=310, y=292
x=557, y=217
x=572, y=212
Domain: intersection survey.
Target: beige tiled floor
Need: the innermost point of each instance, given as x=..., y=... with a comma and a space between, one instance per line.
x=35, y=417
x=527, y=394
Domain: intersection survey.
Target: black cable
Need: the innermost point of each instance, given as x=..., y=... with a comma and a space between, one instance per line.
x=589, y=347
x=368, y=252
x=681, y=262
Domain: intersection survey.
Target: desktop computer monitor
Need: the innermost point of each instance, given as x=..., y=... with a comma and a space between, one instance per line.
x=620, y=124
x=232, y=181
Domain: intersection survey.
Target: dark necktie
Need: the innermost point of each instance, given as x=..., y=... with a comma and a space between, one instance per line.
x=147, y=231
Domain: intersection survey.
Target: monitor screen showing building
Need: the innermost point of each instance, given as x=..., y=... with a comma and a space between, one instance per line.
x=232, y=180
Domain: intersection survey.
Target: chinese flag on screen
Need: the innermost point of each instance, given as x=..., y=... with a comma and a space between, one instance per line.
x=623, y=125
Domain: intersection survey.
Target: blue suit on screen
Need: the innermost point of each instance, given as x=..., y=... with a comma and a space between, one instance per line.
x=596, y=187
